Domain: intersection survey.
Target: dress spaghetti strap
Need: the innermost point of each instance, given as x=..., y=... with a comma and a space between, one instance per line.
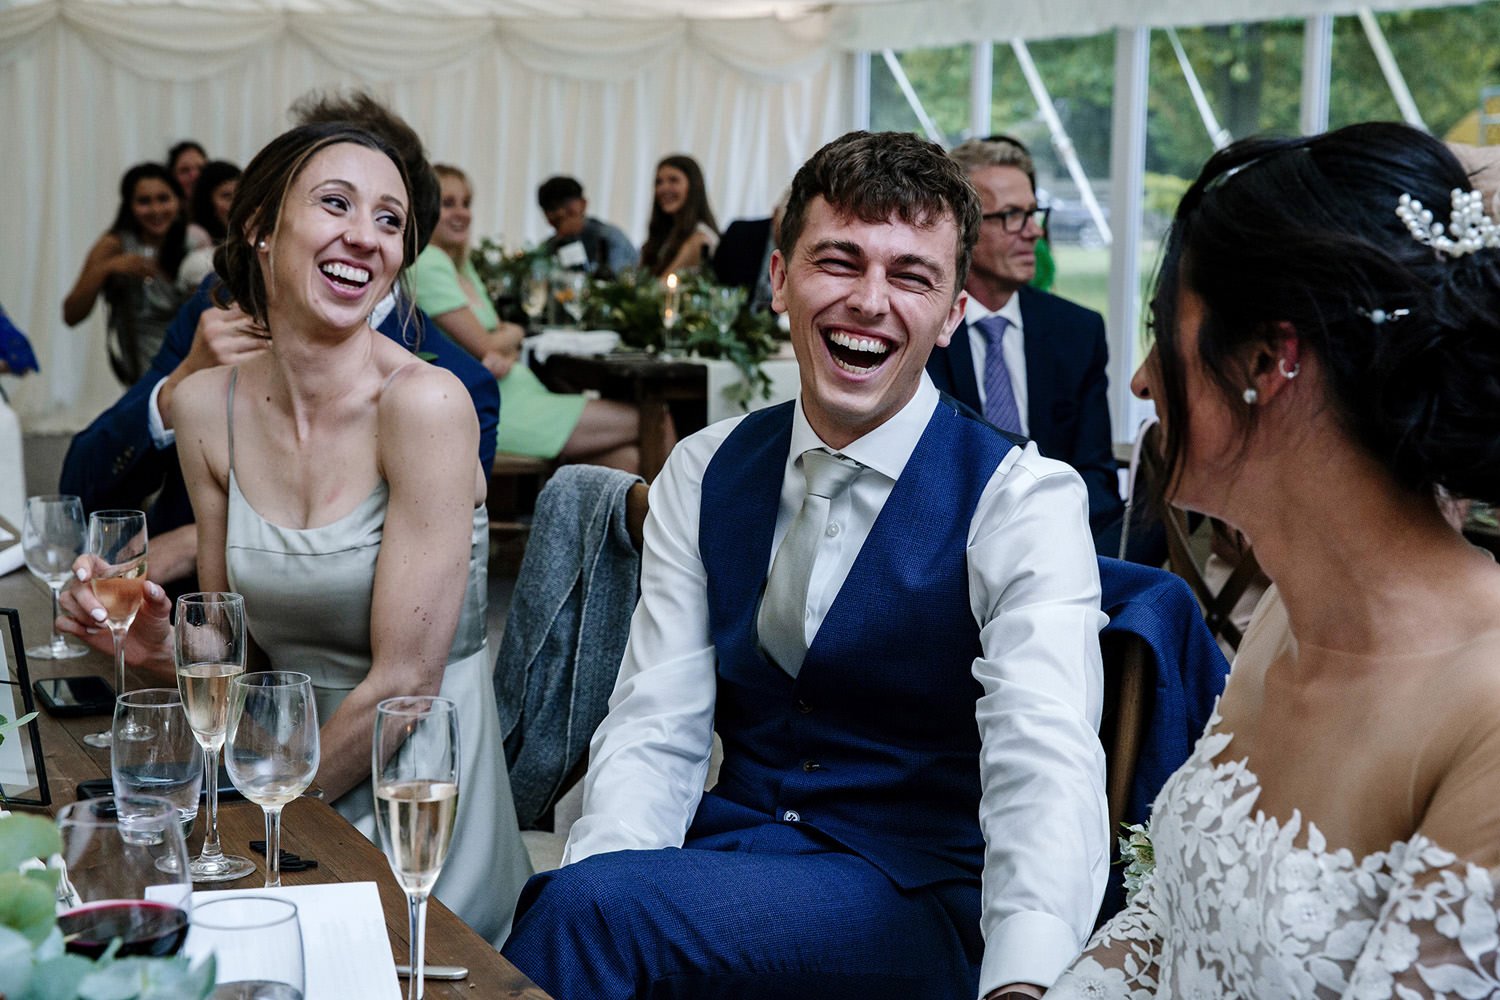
x=234, y=376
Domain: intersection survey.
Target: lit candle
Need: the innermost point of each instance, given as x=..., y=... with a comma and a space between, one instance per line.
x=669, y=313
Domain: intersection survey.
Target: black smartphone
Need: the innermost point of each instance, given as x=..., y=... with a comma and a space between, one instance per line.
x=75, y=695
x=95, y=788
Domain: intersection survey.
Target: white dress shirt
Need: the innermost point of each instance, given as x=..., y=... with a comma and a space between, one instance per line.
x=1012, y=345
x=1033, y=589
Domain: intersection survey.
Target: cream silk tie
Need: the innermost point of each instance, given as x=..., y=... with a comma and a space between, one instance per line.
x=782, y=618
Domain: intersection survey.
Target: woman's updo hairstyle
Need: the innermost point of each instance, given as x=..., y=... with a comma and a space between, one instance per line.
x=258, y=200
x=1305, y=232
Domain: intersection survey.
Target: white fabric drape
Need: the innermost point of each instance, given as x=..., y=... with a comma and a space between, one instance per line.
x=89, y=88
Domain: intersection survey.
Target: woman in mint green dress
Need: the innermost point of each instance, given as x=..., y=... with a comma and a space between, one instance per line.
x=534, y=421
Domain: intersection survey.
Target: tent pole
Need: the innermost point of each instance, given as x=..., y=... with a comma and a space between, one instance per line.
x=1127, y=189
x=1317, y=70
x=1060, y=139
x=981, y=88
x=1393, y=77
x=860, y=112
x=928, y=125
x=1217, y=134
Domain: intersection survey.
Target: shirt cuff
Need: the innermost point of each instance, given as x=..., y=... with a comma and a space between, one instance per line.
x=1029, y=947
x=160, y=435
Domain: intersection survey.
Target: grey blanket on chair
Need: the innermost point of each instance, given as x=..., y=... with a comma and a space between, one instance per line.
x=566, y=631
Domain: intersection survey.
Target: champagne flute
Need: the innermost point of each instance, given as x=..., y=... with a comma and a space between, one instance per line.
x=124, y=876
x=534, y=293
x=571, y=288
x=168, y=764
x=208, y=644
x=256, y=942
x=117, y=543
x=272, y=752
x=414, y=766
x=52, y=537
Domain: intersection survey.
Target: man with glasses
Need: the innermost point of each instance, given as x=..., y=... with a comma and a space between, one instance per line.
x=1032, y=363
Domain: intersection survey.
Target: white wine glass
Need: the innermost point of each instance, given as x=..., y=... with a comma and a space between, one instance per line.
x=272, y=752
x=208, y=646
x=52, y=538
x=167, y=764
x=124, y=875
x=724, y=304
x=256, y=942
x=117, y=545
x=572, y=287
x=414, y=767
x=534, y=291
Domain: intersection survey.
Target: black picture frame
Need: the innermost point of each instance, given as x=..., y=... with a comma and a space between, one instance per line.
x=15, y=680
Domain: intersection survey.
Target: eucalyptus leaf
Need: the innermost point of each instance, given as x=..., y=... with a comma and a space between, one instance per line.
x=25, y=837
x=15, y=962
x=27, y=906
x=58, y=978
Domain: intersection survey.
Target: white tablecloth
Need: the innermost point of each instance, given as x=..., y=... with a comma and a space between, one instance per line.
x=724, y=378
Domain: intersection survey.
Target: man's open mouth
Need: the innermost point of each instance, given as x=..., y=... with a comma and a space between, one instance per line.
x=855, y=354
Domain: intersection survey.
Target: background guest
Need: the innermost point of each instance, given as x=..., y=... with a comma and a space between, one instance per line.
x=185, y=160
x=682, y=233
x=209, y=212
x=606, y=247
x=743, y=257
x=135, y=265
x=538, y=423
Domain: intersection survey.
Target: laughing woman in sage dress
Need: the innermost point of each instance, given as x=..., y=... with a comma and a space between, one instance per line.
x=334, y=483
x=1324, y=365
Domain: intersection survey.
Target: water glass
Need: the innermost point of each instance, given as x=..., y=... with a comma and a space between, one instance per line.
x=208, y=646
x=272, y=753
x=124, y=876
x=256, y=942
x=52, y=537
x=414, y=766
x=117, y=547
x=161, y=758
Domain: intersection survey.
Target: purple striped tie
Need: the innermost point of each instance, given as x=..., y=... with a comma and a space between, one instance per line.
x=999, y=395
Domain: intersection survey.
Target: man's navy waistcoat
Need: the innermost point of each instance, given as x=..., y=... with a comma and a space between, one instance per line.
x=875, y=743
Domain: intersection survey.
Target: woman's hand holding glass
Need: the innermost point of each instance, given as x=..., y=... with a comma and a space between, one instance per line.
x=208, y=642
x=273, y=751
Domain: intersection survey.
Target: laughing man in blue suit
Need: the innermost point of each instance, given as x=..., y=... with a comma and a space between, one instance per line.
x=898, y=650
x=1049, y=379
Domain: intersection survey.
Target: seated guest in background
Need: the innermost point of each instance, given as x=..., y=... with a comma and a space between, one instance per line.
x=538, y=422
x=185, y=162
x=606, y=248
x=911, y=802
x=682, y=233
x=135, y=266
x=334, y=480
x=1325, y=362
x=209, y=213
x=1031, y=362
x=126, y=457
x=743, y=257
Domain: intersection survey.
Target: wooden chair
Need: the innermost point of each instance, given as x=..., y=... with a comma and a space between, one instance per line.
x=1183, y=554
x=514, y=483
x=1122, y=725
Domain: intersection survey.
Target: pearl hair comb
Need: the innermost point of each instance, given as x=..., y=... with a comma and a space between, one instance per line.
x=1468, y=231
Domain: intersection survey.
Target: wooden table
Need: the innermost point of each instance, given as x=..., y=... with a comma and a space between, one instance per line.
x=656, y=387
x=308, y=827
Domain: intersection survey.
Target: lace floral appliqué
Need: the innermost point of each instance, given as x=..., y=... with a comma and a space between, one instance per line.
x=1235, y=908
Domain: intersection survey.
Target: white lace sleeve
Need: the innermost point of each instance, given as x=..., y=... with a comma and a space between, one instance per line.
x=1438, y=933
x=1120, y=960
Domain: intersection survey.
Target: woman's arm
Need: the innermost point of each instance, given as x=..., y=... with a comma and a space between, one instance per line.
x=496, y=349
x=202, y=448
x=690, y=254
x=428, y=438
x=106, y=257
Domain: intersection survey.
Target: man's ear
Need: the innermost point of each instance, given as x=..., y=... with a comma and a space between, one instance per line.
x=778, y=282
x=955, y=316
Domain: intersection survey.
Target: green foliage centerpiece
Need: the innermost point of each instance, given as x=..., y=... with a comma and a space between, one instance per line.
x=33, y=962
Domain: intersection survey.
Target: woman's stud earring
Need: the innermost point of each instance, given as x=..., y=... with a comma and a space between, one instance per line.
x=260, y=245
x=1250, y=396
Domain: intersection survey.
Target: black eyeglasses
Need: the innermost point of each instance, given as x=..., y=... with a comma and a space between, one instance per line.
x=1013, y=220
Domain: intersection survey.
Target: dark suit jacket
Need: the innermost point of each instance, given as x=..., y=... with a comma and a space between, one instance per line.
x=1067, y=406
x=741, y=251
x=114, y=463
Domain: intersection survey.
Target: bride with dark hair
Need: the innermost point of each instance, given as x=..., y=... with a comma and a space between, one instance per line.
x=1327, y=362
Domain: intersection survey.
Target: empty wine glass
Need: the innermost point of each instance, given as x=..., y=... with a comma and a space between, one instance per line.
x=569, y=289
x=256, y=942
x=124, y=876
x=272, y=753
x=117, y=545
x=724, y=307
x=52, y=537
x=414, y=767
x=167, y=764
x=208, y=645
